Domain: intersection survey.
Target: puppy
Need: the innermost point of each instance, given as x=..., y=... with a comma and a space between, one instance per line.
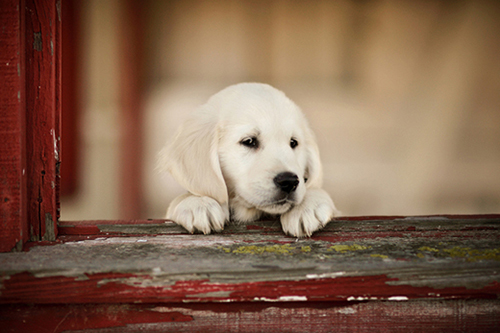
x=247, y=152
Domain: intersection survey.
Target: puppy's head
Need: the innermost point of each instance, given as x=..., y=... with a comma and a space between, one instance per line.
x=248, y=144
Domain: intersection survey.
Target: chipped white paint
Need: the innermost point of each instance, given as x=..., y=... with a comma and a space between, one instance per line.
x=177, y=242
x=397, y=298
x=281, y=299
x=359, y=298
x=56, y=152
x=293, y=298
x=325, y=275
x=347, y=311
x=223, y=294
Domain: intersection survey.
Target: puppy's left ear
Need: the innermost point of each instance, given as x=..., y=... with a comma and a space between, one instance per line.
x=192, y=158
x=314, y=170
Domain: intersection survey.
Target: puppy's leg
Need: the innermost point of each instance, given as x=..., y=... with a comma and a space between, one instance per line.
x=197, y=213
x=313, y=213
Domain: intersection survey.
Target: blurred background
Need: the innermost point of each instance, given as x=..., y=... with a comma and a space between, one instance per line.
x=404, y=96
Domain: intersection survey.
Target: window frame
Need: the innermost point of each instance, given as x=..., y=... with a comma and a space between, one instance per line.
x=31, y=103
x=30, y=65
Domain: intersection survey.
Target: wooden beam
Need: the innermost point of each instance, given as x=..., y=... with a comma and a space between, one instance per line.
x=42, y=29
x=13, y=209
x=421, y=316
x=390, y=259
x=71, y=98
x=131, y=92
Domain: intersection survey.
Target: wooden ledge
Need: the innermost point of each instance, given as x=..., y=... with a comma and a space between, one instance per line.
x=353, y=259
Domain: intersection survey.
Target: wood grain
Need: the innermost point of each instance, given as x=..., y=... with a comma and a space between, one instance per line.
x=421, y=316
x=43, y=107
x=351, y=260
x=14, y=231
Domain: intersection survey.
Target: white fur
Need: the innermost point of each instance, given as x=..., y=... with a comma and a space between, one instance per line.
x=227, y=179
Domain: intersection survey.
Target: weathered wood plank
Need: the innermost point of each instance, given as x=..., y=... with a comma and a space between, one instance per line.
x=352, y=260
x=12, y=129
x=42, y=22
x=421, y=316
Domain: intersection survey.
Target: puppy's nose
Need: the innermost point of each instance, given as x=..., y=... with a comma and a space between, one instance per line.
x=286, y=181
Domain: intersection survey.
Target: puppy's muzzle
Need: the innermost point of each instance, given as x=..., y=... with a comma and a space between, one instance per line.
x=286, y=182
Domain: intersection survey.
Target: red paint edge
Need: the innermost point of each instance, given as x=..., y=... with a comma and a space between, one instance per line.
x=13, y=208
x=126, y=288
x=43, y=106
x=131, y=91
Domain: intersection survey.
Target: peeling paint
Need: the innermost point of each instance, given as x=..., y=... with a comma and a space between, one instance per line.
x=58, y=9
x=210, y=294
x=37, y=41
x=426, y=248
x=342, y=248
x=376, y=255
x=347, y=311
x=466, y=253
x=54, y=140
x=179, y=267
x=293, y=298
x=397, y=298
x=325, y=275
x=49, y=228
x=473, y=254
x=281, y=299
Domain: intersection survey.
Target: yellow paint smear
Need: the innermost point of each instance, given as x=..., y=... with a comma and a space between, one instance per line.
x=473, y=254
x=464, y=252
x=342, y=248
x=383, y=256
x=426, y=248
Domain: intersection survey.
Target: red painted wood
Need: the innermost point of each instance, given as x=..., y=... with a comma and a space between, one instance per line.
x=372, y=227
x=13, y=229
x=42, y=26
x=129, y=288
x=67, y=318
x=70, y=133
x=131, y=109
x=446, y=316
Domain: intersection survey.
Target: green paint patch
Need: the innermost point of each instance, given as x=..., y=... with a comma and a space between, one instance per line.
x=473, y=254
x=342, y=248
x=383, y=256
x=305, y=249
x=461, y=252
x=429, y=249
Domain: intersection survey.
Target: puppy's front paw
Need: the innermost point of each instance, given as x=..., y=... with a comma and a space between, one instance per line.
x=196, y=213
x=315, y=211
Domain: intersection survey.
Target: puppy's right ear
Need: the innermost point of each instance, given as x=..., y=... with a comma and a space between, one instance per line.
x=192, y=158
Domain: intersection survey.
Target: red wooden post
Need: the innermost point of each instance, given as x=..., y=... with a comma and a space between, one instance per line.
x=131, y=109
x=70, y=132
x=13, y=211
x=42, y=26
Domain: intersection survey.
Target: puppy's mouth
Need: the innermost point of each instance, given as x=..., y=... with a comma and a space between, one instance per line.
x=279, y=206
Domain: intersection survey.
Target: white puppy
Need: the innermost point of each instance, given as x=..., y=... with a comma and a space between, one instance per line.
x=246, y=152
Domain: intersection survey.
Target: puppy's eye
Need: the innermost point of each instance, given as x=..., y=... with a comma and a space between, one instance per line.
x=250, y=142
x=293, y=143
